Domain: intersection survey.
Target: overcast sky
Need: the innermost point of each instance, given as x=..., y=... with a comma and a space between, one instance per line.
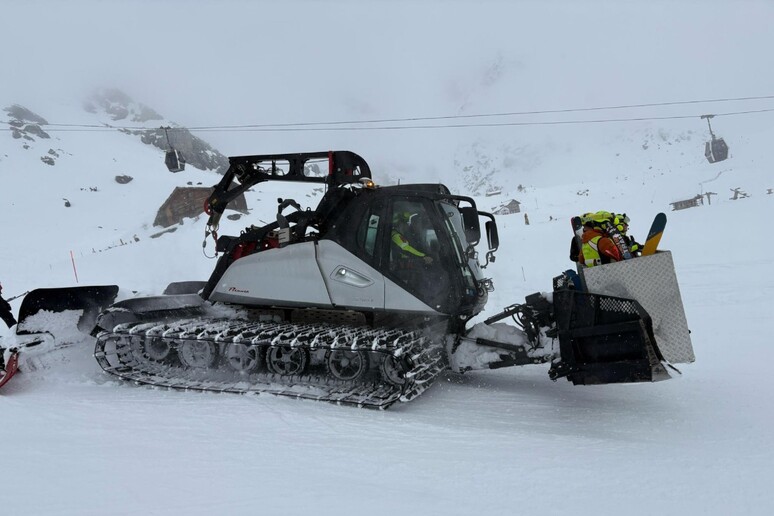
x=237, y=62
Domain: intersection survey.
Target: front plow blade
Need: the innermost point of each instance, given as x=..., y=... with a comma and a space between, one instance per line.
x=605, y=339
x=84, y=302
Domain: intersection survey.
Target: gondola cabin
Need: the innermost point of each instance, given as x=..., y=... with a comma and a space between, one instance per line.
x=715, y=150
x=174, y=161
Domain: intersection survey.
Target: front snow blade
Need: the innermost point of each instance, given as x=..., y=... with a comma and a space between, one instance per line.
x=605, y=339
x=88, y=301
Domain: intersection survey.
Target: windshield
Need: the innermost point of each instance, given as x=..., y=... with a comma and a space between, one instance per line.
x=454, y=228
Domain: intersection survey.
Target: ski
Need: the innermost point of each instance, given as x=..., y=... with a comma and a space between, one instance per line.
x=577, y=227
x=577, y=231
x=654, y=235
x=10, y=368
x=619, y=240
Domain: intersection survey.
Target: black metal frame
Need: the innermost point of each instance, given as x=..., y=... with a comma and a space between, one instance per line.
x=603, y=339
x=247, y=170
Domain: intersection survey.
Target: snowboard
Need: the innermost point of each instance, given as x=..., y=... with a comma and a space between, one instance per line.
x=577, y=226
x=654, y=235
x=10, y=368
x=619, y=240
x=577, y=230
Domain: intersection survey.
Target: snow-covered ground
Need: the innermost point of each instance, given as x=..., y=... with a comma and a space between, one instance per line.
x=78, y=442
x=510, y=441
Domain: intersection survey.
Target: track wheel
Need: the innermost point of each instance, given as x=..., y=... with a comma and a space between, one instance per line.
x=345, y=364
x=393, y=370
x=197, y=354
x=157, y=349
x=286, y=360
x=243, y=358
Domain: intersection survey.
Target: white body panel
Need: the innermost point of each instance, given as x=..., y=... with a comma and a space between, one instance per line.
x=288, y=275
x=319, y=274
x=350, y=281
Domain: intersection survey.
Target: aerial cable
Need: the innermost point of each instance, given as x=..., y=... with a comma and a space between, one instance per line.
x=304, y=127
x=487, y=124
x=485, y=115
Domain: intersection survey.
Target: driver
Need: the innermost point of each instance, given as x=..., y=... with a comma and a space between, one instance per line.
x=400, y=228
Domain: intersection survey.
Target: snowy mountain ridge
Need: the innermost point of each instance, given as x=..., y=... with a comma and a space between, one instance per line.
x=101, y=111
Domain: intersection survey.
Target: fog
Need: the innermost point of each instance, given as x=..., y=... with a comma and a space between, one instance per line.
x=203, y=63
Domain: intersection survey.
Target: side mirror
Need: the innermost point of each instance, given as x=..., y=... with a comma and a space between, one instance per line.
x=471, y=224
x=491, y=235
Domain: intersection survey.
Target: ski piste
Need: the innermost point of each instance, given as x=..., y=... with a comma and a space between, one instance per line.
x=654, y=235
x=11, y=366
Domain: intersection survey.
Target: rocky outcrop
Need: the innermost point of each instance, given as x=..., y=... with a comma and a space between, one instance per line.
x=118, y=106
x=196, y=152
x=110, y=106
x=25, y=124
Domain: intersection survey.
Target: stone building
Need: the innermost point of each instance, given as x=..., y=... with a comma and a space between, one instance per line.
x=512, y=206
x=188, y=201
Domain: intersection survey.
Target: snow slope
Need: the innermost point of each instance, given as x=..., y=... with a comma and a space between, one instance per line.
x=78, y=442
x=500, y=442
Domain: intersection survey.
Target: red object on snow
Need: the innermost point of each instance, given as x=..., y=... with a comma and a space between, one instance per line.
x=10, y=368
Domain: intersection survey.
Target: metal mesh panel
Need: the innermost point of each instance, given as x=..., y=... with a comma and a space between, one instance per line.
x=584, y=310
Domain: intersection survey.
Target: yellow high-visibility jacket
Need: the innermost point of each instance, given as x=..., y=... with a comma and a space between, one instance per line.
x=404, y=245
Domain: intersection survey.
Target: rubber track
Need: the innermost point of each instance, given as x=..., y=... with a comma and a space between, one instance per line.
x=121, y=353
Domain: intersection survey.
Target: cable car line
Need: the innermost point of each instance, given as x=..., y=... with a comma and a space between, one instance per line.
x=513, y=113
x=76, y=128
x=299, y=126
